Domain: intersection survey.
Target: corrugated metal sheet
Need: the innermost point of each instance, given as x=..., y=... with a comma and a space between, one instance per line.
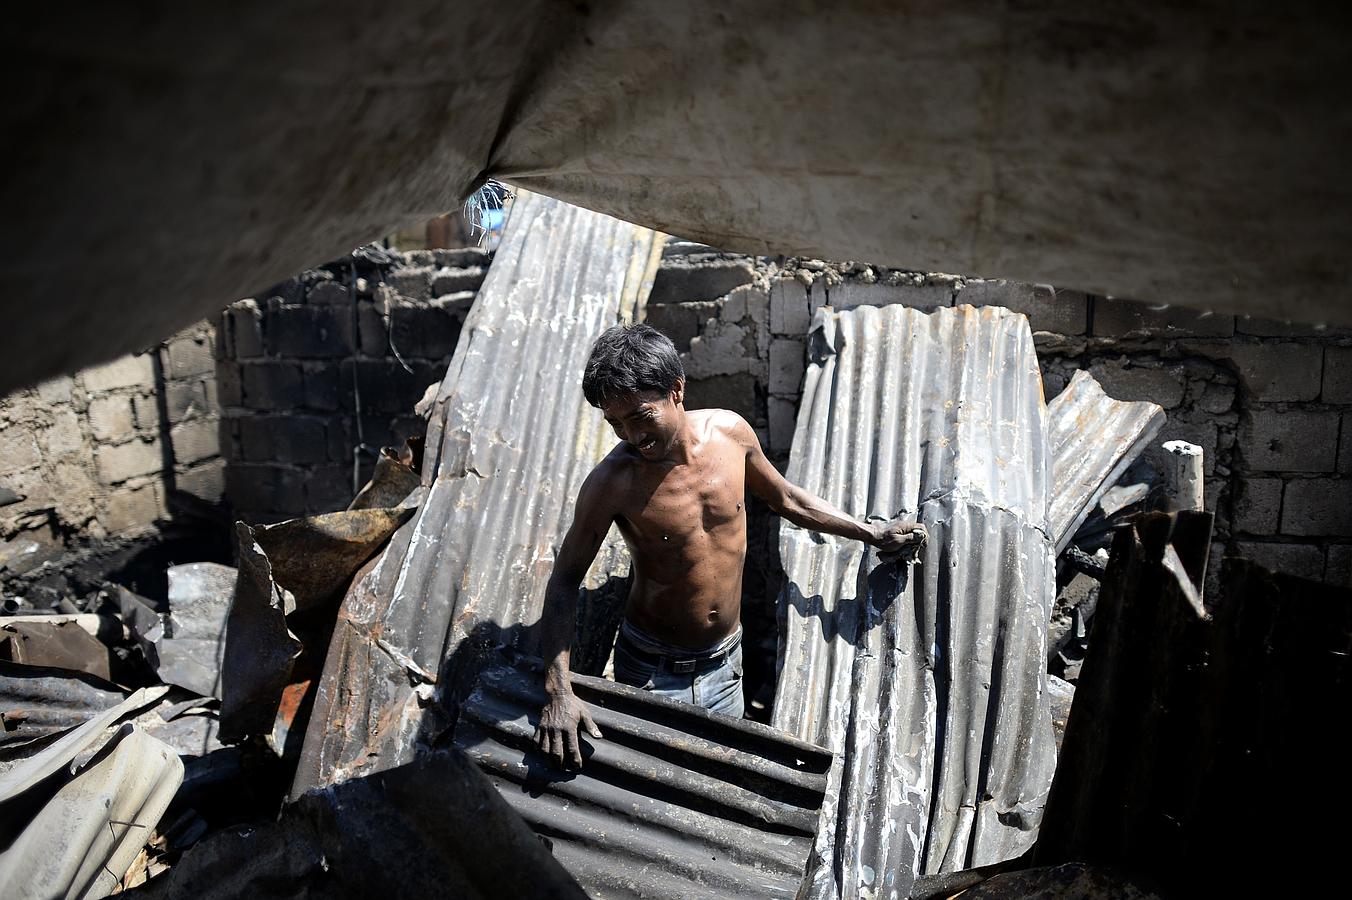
x=86, y=834
x=928, y=683
x=509, y=442
x=673, y=801
x=36, y=701
x=1093, y=438
x=77, y=811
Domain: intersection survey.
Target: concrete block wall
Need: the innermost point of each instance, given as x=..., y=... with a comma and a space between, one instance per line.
x=1270, y=402
x=109, y=453
x=330, y=360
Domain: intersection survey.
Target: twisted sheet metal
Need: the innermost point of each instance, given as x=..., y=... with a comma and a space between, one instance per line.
x=1093, y=439
x=509, y=441
x=673, y=801
x=927, y=683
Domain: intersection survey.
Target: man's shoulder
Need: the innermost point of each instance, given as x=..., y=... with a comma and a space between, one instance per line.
x=724, y=420
x=608, y=477
x=727, y=425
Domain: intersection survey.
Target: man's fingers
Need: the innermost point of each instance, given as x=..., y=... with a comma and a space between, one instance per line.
x=570, y=743
x=554, y=747
x=591, y=726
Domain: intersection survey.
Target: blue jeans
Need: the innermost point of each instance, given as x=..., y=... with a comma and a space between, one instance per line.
x=714, y=686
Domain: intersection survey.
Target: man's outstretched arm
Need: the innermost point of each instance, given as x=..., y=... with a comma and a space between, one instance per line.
x=557, y=734
x=809, y=511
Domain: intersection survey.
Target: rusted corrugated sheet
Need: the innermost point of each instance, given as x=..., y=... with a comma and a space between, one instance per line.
x=672, y=802
x=509, y=441
x=1093, y=438
x=928, y=683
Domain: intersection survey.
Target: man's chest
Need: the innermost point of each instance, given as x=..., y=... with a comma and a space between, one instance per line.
x=689, y=499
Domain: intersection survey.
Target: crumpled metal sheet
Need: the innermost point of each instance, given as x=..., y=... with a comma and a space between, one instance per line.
x=396, y=476
x=296, y=570
x=22, y=775
x=314, y=557
x=59, y=645
x=37, y=702
x=1093, y=439
x=929, y=682
x=190, y=640
x=509, y=441
x=86, y=833
x=432, y=828
x=260, y=650
x=673, y=801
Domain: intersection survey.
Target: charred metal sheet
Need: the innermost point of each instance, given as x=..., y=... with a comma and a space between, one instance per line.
x=510, y=439
x=297, y=572
x=432, y=828
x=1093, y=439
x=37, y=702
x=1069, y=881
x=928, y=683
x=395, y=477
x=315, y=557
x=32, y=769
x=260, y=651
x=1211, y=733
x=79, y=837
x=673, y=801
x=190, y=642
x=58, y=645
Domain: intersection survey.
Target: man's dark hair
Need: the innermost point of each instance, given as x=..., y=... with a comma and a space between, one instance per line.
x=628, y=360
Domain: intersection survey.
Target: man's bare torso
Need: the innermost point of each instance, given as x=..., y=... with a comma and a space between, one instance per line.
x=685, y=524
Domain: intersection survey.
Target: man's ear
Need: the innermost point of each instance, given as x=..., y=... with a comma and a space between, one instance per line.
x=678, y=393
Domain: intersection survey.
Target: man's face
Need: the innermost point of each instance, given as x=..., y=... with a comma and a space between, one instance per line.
x=648, y=421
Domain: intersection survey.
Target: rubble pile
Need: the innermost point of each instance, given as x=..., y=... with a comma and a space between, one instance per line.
x=133, y=729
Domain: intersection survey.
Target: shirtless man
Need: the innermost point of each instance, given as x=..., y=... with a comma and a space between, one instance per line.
x=676, y=487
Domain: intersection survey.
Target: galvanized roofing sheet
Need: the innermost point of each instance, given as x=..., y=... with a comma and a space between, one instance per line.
x=85, y=835
x=1093, y=438
x=928, y=683
x=673, y=801
x=509, y=441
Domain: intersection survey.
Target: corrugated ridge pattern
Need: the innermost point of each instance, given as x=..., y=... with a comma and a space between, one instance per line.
x=1093, y=439
x=510, y=440
x=928, y=682
x=674, y=801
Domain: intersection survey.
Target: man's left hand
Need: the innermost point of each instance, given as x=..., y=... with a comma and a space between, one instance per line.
x=900, y=539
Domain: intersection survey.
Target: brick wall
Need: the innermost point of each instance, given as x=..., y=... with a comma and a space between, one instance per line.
x=1269, y=402
x=330, y=360
x=1265, y=400
x=109, y=453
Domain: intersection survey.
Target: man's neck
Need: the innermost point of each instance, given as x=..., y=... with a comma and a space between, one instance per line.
x=683, y=447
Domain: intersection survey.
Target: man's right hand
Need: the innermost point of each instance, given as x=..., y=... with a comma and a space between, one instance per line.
x=557, y=734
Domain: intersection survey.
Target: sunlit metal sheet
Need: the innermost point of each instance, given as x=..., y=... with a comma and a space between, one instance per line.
x=84, y=835
x=1093, y=439
x=509, y=441
x=928, y=683
x=673, y=801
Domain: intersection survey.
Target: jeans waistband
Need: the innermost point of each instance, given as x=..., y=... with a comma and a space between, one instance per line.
x=676, y=659
x=638, y=640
